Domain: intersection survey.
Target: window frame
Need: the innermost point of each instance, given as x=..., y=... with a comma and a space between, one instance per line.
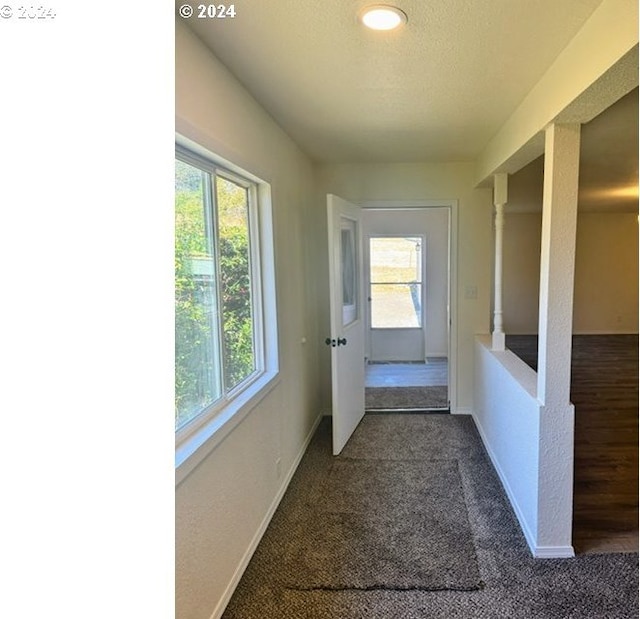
x=202, y=433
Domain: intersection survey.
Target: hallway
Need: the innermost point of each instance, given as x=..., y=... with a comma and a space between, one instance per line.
x=295, y=575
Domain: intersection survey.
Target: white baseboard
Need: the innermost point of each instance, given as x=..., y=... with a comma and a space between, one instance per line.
x=538, y=552
x=244, y=562
x=554, y=552
x=531, y=542
x=462, y=410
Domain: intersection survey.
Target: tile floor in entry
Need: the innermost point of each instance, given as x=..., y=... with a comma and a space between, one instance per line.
x=390, y=374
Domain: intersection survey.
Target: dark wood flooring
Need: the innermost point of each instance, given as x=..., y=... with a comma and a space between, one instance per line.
x=604, y=390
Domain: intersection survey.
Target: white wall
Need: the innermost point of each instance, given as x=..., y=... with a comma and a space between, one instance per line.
x=521, y=272
x=606, y=275
x=511, y=421
x=361, y=183
x=223, y=505
x=606, y=278
x=507, y=415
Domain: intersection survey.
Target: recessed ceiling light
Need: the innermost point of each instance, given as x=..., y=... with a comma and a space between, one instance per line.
x=382, y=17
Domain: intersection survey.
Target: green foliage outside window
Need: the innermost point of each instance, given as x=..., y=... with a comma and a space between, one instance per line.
x=235, y=276
x=200, y=316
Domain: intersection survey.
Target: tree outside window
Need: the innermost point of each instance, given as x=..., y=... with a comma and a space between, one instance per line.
x=214, y=301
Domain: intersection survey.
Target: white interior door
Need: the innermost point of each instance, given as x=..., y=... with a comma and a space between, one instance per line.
x=347, y=324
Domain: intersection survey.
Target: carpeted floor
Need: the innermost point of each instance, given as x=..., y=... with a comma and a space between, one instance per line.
x=511, y=583
x=424, y=398
x=385, y=524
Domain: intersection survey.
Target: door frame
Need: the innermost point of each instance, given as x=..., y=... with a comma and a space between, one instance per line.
x=452, y=205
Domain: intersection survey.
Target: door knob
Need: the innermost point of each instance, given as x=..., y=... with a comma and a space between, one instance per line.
x=342, y=342
x=330, y=342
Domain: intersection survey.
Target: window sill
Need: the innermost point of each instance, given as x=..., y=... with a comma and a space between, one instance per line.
x=196, y=447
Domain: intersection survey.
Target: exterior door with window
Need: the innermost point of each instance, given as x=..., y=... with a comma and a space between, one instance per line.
x=396, y=297
x=347, y=324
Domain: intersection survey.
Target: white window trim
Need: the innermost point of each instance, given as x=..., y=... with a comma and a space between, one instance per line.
x=195, y=442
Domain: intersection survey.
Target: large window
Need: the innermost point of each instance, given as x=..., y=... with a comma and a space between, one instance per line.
x=219, y=348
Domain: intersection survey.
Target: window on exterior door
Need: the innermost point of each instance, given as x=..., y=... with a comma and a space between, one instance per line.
x=396, y=282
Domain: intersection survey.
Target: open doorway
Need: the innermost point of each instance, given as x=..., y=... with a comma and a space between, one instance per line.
x=407, y=279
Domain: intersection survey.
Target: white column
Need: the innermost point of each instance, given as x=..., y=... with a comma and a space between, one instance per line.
x=499, y=200
x=559, y=218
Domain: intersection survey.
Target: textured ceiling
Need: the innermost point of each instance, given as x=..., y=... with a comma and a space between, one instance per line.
x=436, y=90
x=609, y=157
x=608, y=164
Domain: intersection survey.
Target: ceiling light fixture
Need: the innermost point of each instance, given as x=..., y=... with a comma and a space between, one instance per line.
x=382, y=17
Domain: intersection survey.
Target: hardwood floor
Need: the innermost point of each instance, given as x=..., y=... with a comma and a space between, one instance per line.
x=604, y=390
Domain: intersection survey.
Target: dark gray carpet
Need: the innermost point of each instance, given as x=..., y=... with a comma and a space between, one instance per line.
x=516, y=586
x=406, y=397
x=385, y=525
